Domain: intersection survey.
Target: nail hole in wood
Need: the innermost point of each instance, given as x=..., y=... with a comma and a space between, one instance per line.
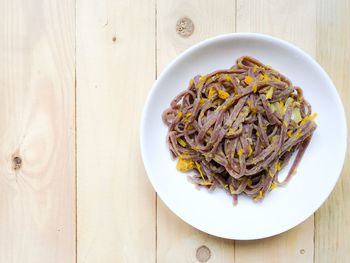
x=203, y=254
x=302, y=251
x=17, y=162
x=184, y=27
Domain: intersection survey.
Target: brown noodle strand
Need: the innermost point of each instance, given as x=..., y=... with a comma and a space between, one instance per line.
x=237, y=128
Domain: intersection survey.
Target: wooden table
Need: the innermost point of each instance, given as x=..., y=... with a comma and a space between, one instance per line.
x=74, y=76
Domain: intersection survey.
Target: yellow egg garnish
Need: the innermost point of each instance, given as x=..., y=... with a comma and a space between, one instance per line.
x=264, y=77
x=248, y=79
x=308, y=118
x=228, y=78
x=184, y=165
x=273, y=185
x=255, y=88
x=188, y=114
x=278, y=166
x=223, y=94
x=250, y=150
x=212, y=93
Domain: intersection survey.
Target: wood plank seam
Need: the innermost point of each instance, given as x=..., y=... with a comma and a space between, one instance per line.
x=76, y=133
x=314, y=239
x=156, y=77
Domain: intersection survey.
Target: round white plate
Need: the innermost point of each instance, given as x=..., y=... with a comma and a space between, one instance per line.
x=284, y=207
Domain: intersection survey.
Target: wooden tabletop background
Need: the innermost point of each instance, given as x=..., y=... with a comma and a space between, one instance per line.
x=74, y=75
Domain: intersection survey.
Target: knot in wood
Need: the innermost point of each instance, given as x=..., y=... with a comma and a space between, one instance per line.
x=184, y=27
x=17, y=162
x=203, y=254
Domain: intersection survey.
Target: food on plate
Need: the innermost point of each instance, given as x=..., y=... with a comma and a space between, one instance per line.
x=237, y=128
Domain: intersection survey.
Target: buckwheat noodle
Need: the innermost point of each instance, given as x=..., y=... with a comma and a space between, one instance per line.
x=237, y=128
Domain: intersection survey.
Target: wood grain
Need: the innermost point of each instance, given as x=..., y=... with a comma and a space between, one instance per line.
x=37, y=195
x=117, y=48
x=296, y=245
x=177, y=241
x=332, y=221
x=294, y=21
x=115, y=70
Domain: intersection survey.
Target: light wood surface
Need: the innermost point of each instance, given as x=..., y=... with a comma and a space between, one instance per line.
x=115, y=70
x=74, y=76
x=37, y=196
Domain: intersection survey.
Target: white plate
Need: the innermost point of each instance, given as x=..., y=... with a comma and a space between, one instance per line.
x=284, y=207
